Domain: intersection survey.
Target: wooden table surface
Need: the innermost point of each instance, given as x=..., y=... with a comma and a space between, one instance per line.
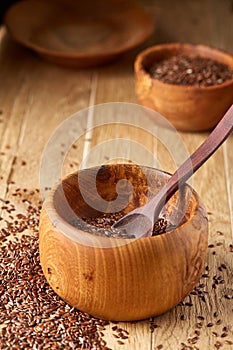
x=37, y=96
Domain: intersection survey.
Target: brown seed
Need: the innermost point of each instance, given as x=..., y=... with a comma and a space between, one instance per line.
x=218, y=322
x=120, y=342
x=193, y=340
x=224, y=334
x=228, y=342
x=220, y=233
x=218, y=345
x=203, y=298
x=210, y=324
x=201, y=318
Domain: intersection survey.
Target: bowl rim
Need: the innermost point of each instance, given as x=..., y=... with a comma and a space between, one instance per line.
x=139, y=67
x=87, y=238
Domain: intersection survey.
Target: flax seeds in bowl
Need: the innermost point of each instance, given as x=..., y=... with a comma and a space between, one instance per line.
x=190, y=85
x=102, y=226
x=191, y=71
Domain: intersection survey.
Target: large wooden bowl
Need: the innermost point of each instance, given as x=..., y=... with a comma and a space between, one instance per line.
x=188, y=108
x=120, y=279
x=79, y=33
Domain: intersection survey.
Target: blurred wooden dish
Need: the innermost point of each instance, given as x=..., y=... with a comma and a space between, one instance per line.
x=79, y=33
x=120, y=279
x=188, y=108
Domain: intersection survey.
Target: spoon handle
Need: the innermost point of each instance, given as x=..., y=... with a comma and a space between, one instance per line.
x=223, y=129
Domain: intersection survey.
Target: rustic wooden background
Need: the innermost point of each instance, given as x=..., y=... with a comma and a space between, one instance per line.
x=36, y=96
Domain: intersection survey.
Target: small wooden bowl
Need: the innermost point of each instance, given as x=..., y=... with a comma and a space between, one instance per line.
x=188, y=108
x=79, y=33
x=120, y=279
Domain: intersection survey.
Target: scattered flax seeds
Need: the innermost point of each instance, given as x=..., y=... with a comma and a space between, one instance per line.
x=120, y=334
x=153, y=325
x=32, y=316
x=219, y=332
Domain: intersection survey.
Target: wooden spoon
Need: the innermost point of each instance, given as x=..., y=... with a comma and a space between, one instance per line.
x=140, y=221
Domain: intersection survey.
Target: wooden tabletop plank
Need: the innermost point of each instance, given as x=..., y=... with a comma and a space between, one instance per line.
x=33, y=106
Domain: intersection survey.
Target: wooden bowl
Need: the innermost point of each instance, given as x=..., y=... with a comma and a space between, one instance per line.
x=188, y=108
x=79, y=33
x=112, y=278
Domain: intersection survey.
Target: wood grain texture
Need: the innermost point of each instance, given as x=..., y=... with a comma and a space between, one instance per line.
x=38, y=96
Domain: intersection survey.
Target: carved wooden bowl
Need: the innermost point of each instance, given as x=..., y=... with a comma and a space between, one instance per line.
x=188, y=108
x=116, y=278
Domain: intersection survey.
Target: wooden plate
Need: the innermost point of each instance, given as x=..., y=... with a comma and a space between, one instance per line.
x=78, y=33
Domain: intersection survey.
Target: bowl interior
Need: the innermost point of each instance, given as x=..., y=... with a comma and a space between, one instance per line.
x=113, y=188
